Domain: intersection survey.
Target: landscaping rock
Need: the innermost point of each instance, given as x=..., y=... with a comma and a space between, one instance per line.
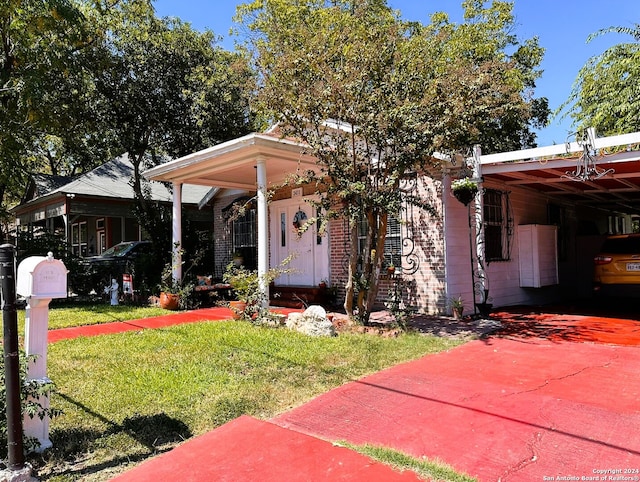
x=312, y=322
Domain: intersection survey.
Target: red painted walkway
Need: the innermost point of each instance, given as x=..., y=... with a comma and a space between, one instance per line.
x=547, y=396
x=141, y=324
x=525, y=323
x=247, y=449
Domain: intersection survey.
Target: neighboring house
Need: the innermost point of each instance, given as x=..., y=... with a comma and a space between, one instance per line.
x=94, y=211
x=529, y=237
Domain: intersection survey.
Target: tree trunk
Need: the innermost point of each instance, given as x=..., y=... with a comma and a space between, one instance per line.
x=352, y=271
x=376, y=265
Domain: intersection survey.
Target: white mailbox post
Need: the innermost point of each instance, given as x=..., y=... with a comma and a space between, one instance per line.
x=39, y=280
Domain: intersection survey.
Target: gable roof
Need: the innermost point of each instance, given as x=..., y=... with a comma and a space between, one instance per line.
x=42, y=184
x=110, y=180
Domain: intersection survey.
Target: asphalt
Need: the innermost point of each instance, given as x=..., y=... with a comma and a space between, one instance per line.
x=548, y=396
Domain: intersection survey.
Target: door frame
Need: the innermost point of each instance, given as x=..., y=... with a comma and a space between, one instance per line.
x=319, y=244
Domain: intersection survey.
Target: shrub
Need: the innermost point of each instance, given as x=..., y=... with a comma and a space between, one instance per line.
x=30, y=392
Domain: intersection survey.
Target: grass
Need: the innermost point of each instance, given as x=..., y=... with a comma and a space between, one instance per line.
x=426, y=469
x=130, y=396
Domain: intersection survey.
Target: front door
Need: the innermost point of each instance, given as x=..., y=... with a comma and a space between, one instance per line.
x=310, y=260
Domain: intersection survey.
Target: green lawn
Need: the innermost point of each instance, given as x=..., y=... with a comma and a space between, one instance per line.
x=130, y=396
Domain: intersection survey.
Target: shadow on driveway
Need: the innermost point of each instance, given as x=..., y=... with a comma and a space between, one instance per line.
x=605, y=320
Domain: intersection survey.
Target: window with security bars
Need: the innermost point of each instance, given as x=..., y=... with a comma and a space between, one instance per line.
x=392, y=243
x=245, y=236
x=496, y=225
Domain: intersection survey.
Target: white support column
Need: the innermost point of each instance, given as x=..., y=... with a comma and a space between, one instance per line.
x=176, y=256
x=263, y=224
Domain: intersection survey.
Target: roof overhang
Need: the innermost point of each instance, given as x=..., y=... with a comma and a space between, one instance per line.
x=545, y=170
x=232, y=164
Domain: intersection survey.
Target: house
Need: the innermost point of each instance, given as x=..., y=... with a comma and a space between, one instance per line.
x=94, y=211
x=528, y=237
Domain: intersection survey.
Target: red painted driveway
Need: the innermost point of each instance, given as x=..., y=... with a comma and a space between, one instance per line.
x=497, y=409
x=548, y=397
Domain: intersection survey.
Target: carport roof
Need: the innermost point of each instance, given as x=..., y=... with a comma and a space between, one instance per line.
x=545, y=170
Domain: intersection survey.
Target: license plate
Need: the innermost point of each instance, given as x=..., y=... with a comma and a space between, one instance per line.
x=633, y=266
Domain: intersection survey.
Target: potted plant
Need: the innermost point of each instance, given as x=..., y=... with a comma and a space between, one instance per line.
x=323, y=284
x=391, y=269
x=457, y=307
x=464, y=190
x=245, y=285
x=174, y=293
x=252, y=303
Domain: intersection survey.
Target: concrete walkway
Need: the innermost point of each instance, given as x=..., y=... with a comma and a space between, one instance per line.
x=524, y=404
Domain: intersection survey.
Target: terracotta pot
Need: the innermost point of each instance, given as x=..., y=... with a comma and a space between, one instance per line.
x=237, y=307
x=169, y=301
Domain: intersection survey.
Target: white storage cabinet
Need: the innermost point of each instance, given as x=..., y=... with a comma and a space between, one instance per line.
x=538, y=255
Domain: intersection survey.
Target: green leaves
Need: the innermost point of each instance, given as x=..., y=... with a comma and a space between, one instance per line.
x=374, y=96
x=605, y=94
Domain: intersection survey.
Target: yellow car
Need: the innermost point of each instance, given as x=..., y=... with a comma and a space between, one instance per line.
x=618, y=263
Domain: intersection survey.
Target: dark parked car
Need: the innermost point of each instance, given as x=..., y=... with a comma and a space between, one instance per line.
x=116, y=261
x=121, y=253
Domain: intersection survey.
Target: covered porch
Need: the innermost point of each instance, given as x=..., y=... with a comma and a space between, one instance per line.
x=254, y=163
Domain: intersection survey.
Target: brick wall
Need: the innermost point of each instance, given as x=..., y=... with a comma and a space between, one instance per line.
x=423, y=250
x=423, y=260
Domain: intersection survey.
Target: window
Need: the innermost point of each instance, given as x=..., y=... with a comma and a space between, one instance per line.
x=79, y=239
x=498, y=225
x=392, y=244
x=245, y=236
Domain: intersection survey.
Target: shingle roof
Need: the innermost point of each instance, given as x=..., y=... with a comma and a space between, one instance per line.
x=45, y=183
x=113, y=179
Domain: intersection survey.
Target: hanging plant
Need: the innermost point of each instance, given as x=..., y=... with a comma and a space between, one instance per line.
x=299, y=219
x=464, y=190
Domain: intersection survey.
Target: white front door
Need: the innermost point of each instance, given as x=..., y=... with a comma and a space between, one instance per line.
x=310, y=254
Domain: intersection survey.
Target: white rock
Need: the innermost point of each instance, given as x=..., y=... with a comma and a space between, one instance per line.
x=312, y=322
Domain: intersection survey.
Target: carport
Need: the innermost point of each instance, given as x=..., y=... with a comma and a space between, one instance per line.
x=592, y=188
x=613, y=188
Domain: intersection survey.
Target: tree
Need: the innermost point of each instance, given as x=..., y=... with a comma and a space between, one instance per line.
x=374, y=97
x=167, y=91
x=43, y=90
x=606, y=92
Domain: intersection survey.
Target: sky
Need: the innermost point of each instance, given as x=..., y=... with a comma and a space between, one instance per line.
x=562, y=27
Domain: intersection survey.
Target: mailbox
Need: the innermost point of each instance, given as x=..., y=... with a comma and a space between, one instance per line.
x=42, y=277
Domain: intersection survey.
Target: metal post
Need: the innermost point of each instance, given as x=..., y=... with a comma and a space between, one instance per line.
x=11, y=356
x=473, y=264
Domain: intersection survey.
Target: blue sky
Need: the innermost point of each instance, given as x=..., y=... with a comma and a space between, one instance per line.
x=561, y=25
